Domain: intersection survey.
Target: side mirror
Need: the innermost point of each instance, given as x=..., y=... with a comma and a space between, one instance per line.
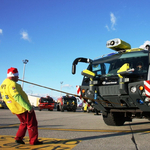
x=80, y=59
x=73, y=69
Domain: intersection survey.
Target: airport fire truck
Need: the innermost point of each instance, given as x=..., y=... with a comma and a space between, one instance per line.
x=67, y=102
x=118, y=84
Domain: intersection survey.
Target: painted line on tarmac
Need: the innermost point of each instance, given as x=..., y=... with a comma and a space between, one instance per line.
x=83, y=130
x=91, y=130
x=9, y=126
x=7, y=142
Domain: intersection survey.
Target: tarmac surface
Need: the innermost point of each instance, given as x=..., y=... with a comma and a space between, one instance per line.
x=76, y=131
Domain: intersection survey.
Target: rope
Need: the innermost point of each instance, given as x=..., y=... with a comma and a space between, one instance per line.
x=48, y=88
x=100, y=101
x=58, y=90
x=94, y=100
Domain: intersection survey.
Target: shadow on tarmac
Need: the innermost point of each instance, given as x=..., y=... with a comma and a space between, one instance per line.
x=137, y=123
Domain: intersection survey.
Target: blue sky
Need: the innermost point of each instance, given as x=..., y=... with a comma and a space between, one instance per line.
x=52, y=33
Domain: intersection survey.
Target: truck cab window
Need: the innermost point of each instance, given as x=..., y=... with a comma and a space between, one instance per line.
x=97, y=69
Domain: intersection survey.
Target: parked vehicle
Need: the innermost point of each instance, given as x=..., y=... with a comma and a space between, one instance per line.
x=68, y=103
x=34, y=100
x=118, y=84
x=2, y=104
x=46, y=103
x=87, y=106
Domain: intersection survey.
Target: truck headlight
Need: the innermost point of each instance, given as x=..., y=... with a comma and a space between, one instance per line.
x=133, y=89
x=147, y=99
x=89, y=101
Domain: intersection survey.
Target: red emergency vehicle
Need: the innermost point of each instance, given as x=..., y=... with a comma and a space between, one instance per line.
x=68, y=103
x=46, y=103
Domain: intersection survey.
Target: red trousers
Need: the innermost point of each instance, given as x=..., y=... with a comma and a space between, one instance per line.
x=27, y=121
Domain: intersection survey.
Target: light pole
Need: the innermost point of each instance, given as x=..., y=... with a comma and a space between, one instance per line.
x=25, y=62
x=61, y=86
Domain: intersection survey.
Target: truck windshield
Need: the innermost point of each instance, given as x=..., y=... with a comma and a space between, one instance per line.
x=46, y=100
x=70, y=100
x=109, y=65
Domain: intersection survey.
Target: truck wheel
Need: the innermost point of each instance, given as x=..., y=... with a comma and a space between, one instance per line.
x=96, y=111
x=113, y=118
x=58, y=109
x=147, y=116
x=62, y=109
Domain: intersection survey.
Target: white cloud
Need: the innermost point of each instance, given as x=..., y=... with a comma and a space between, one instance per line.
x=1, y=31
x=31, y=86
x=67, y=85
x=144, y=45
x=25, y=36
x=107, y=27
x=113, y=21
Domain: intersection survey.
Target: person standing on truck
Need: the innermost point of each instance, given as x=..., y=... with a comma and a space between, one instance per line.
x=17, y=102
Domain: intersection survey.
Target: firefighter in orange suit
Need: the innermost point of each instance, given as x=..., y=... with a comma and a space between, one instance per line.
x=18, y=103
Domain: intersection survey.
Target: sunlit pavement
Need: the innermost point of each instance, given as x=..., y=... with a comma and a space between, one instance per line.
x=75, y=131
x=7, y=142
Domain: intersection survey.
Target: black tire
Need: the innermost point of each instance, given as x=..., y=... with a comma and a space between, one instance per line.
x=114, y=118
x=50, y=109
x=58, y=109
x=61, y=108
x=96, y=111
x=147, y=116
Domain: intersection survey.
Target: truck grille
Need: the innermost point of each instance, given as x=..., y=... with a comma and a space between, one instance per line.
x=109, y=90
